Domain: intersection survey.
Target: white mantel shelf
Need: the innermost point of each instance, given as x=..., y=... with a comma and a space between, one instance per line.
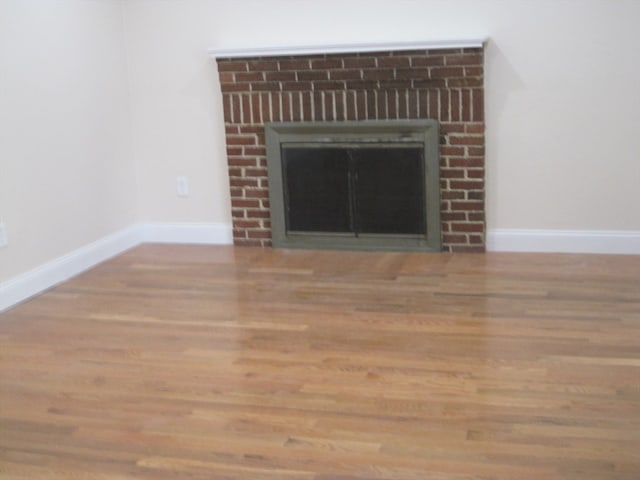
x=290, y=50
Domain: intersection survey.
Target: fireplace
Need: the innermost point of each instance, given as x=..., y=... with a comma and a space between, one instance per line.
x=364, y=185
x=443, y=83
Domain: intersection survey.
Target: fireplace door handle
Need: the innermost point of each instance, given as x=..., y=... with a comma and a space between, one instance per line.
x=352, y=175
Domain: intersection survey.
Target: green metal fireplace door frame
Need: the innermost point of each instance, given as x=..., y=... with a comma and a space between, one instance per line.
x=354, y=135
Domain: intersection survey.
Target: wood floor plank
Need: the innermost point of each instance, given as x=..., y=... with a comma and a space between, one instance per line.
x=215, y=362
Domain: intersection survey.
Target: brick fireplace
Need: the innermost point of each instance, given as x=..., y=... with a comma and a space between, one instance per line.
x=445, y=84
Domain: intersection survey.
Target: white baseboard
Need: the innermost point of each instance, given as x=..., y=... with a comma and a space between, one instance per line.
x=28, y=284
x=564, y=241
x=60, y=269
x=201, y=233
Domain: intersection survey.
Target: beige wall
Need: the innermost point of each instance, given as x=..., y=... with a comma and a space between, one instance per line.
x=97, y=93
x=561, y=96
x=66, y=172
x=176, y=106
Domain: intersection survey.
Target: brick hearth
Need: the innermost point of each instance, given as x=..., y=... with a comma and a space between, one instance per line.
x=446, y=85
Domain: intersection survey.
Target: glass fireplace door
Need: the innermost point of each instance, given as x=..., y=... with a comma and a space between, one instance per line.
x=354, y=189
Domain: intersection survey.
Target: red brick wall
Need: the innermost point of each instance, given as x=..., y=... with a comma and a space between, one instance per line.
x=447, y=85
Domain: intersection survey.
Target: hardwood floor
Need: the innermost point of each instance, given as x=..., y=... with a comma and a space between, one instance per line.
x=200, y=362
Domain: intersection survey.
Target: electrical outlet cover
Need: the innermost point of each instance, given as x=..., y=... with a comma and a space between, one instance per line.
x=182, y=186
x=3, y=235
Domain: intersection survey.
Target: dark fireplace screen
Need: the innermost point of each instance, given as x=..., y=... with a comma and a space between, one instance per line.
x=351, y=187
x=346, y=189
